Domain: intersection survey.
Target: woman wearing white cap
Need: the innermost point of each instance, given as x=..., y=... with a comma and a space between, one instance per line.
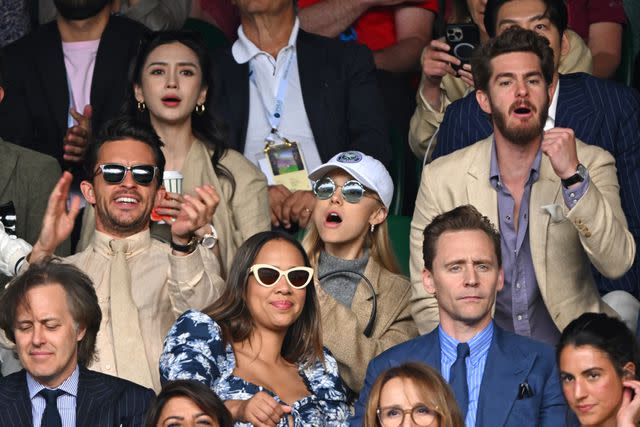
x=364, y=300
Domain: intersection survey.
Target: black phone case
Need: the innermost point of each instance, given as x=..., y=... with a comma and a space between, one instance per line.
x=463, y=39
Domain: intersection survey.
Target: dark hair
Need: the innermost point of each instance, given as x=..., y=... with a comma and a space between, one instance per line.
x=303, y=341
x=81, y=298
x=119, y=129
x=555, y=10
x=514, y=39
x=435, y=391
x=207, y=127
x=1, y=68
x=607, y=334
x=464, y=217
x=198, y=393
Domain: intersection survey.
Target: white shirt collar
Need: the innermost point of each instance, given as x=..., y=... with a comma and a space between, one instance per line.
x=551, y=116
x=244, y=50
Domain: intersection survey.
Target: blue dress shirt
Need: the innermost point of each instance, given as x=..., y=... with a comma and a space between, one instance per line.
x=66, y=402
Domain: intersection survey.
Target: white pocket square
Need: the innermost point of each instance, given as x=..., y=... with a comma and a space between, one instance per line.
x=555, y=211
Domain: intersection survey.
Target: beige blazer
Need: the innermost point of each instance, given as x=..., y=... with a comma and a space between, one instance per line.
x=564, y=243
x=425, y=120
x=342, y=327
x=238, y=216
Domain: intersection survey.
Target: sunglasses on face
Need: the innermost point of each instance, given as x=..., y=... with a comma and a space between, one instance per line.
x=114, y=173
x=268, y=275
x=352, y=191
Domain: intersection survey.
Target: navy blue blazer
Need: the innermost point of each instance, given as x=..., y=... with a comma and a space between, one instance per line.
x=339, y=90
x=512, y=360
x=102, y=401
x=601, y=112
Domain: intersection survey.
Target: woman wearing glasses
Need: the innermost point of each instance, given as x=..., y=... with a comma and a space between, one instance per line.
x=599, y=361
x=170, y=86
x=364, y=301
x=259, y=346
x=412, y=394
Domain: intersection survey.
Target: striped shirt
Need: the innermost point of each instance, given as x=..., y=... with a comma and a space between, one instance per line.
x=66, y=402
x=479, y=348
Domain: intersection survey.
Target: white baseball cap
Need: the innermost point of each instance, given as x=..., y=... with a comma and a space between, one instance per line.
x=369, y=171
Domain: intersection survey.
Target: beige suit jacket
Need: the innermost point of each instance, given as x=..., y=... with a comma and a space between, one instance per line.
x=564, y=243
x=342, y=327
x=426, y=121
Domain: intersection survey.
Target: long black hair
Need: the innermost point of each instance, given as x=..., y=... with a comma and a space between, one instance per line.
x=206, y=126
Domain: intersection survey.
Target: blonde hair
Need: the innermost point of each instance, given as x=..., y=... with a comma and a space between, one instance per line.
x=377, y=241
x=432, y=389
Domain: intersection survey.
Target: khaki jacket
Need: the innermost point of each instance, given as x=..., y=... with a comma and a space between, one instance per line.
x=342, y=327
x=426, y=120
x=238, y=216
x=564, y=242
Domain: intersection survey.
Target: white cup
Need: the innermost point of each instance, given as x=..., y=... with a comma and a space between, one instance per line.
x=172, y=181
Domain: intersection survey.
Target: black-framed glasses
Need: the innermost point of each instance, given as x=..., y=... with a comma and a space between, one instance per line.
x=268, y=275
x=352, y=191
x=114, y=173
x=393, y=416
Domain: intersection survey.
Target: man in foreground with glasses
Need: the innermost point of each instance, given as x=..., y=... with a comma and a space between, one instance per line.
x=498, y=378
x=142, y=284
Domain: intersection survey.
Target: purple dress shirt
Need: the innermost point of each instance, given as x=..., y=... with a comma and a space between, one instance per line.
x=519, y=306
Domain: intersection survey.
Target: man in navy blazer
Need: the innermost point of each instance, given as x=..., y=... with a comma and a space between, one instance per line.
x=600, y=112
x=52, y=315
x=507, y=380
x=329, y=102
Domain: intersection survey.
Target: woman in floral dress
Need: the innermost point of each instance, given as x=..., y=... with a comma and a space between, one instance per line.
x=259, y=346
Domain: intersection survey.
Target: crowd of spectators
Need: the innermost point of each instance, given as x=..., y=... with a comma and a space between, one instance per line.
x=200, y=231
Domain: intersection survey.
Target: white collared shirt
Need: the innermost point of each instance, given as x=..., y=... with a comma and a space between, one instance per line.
x=267, y=71
x=551, y=116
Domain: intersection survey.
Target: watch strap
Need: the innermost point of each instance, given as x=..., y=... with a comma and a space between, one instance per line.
x=188, y=248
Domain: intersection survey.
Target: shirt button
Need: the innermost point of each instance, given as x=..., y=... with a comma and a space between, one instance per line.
x=107, y=367
x=572, y=194
x=518, y=285
x=519, y=317
x=508, y=218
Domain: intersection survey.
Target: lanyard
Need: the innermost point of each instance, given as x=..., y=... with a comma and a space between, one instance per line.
x=274, y=115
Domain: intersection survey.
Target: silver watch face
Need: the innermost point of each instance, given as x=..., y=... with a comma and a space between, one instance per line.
x=582, y=171
x=209, y=241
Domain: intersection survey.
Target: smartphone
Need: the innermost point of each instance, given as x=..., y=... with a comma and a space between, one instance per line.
x=463, y=39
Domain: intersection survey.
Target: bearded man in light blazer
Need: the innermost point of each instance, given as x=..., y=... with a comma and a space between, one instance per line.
x=556, y=199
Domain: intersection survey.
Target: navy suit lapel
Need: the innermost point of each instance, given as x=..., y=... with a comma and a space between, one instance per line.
x=575, y=109
x=232, y=96
x=313, y=83
x=52, y=73
x=92, y=393
x=502, y=375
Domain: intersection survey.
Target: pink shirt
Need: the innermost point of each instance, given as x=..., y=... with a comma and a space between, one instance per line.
x=79, y=60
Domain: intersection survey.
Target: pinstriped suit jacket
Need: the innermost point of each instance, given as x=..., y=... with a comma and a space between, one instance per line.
x=600, y=112
x=103, y=401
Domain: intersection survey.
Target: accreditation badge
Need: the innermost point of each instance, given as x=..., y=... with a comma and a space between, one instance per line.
x=287, y=164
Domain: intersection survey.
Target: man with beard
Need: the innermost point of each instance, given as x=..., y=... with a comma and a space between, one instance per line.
x=555, y=198
x=143, y=285
x=67, y=77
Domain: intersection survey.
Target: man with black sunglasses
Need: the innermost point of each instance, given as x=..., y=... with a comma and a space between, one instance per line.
x=142, y=284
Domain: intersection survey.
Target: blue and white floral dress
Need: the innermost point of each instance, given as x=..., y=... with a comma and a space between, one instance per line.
x=194, y=350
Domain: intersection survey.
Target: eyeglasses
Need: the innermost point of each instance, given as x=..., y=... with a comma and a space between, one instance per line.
x=268, y=275
x=114, y=173
x=352, y=191
x=393, y=416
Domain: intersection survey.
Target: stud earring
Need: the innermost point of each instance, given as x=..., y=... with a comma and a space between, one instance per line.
x=200, y=109
x=141, y=106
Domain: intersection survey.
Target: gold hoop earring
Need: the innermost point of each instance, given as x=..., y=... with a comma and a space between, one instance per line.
x=141, y=106
x=200, y=109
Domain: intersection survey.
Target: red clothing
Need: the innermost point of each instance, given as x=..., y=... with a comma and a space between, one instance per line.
x=376, y=28
x=583, y=13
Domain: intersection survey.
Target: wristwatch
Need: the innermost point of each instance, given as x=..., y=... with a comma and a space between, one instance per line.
x=209, y=240
x=188, y=248
x=580, y=175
